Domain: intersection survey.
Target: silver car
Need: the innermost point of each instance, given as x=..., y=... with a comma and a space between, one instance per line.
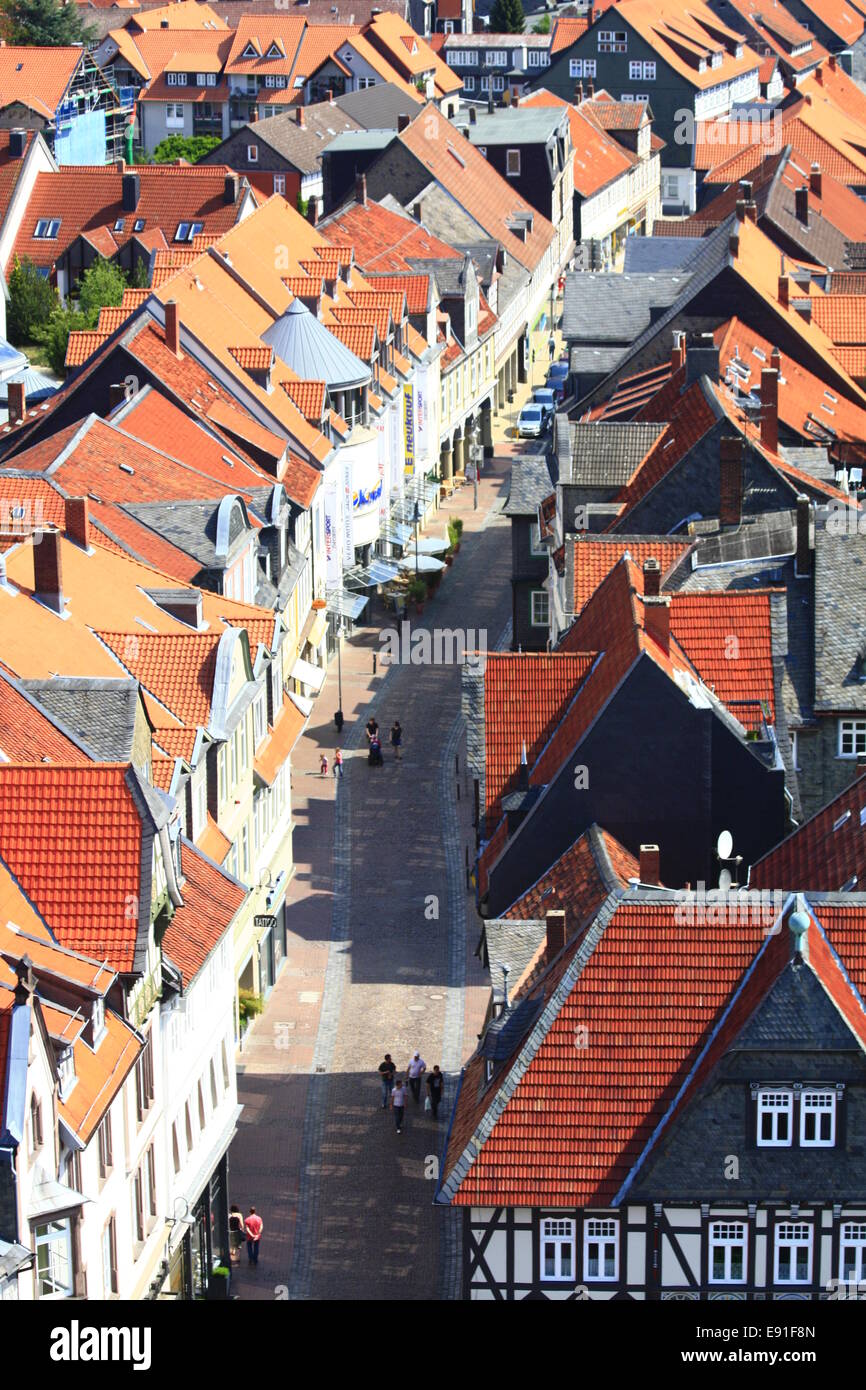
x=531, y=421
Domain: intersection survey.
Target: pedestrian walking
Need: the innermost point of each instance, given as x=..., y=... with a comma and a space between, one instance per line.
x=398, y=1103
x=372, y=728
x=416, y=1070
x=435, y=1082
x=397, y=739
x=236, y=1234
x=253, y=1228
x=323, y=765
x=551, y=347
x=338, y=763
x=387, y=1072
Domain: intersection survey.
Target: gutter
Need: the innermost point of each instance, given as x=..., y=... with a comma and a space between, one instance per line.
x=436, y=1201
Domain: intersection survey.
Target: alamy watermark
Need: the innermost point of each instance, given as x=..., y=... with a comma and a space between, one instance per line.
x=438, y=646
x=731, y=907
x=755, y=125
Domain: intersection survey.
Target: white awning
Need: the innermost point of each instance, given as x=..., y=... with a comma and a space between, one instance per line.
x=348, y=605
x=301, y=703
x=308, y=674
x=365, y=576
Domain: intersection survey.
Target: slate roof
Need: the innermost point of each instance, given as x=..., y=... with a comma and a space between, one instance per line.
x=375, y=108
x=600, y=309
x=29, y=733
x=839, y=632
x=607, y=454
x=651, y=255
x=100, y=712
x=530, y=484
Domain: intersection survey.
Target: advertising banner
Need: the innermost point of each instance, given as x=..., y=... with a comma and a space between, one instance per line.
x=333, y=568
x=409, y=429
x=348, y=538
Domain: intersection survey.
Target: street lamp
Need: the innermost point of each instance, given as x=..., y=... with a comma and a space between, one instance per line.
x=338, y=717
x=417, y=519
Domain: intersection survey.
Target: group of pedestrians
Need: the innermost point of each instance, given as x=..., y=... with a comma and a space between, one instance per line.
x=249, y=1230
x=394, y=1088
x=374, y=742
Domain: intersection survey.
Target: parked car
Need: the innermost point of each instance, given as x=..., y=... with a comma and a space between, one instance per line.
x=557, y=376
x=543, y=396
x=532, y=421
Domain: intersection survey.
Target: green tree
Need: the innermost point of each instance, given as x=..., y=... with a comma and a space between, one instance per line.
x=32, y=299
x=192, y=148
x=101, y=285
x=302, y=204
x=507, y=17
x=543, y=25
x=55, y=335
x=43, y=23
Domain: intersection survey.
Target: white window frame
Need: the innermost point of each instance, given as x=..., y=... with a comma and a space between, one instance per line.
x=603, y=1232
x=818, y=1101
x=649, y=72
x=199, y=806
x=280, y=183
x=61, y=1235
x=512, y=157
x=635, y=70
x=469, y=82
x=728, y=1236
x=252, y=154
x=498, y=83
x=223, y=772
x=496, y=58
x=791, y=1235
x=557, y=1232
x=775, y=1101
x=536, y=544
x=174, y=114
x=538, y=58
x=852, y=1236
x=260, y=718
x=533, y=595
x=851, y=730
x=612, y=41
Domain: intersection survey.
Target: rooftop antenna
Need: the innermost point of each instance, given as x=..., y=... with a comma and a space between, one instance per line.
x=725, y=856
x=506, y=971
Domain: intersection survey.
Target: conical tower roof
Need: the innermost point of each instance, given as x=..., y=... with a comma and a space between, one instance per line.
x=309, y=349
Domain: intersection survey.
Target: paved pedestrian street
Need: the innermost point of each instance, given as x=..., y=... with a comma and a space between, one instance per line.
x=380, y=959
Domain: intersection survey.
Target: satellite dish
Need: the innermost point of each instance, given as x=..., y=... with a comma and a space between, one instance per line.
x=725, y=880
x=725, y=844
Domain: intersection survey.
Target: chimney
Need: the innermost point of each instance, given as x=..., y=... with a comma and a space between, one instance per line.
x=746, y=190
x=652, y=578
x=17, y=402
x=330, y=96
x=254, y=115
x=783, y=295
x=819, y=77
x=801, y=204
x=752, y=211
x=734, y=244
x=591, y=89
x=649, y=865
x=657, y=620
x=130, y=191
x=678, y=352
x=776, y=360
x=702, y=359
x=770, y=409
x=741, y=209
x=815, y=180
x=48, y=571
x=361, y=189
x=116, y=394
x=403, y=120
x=831, y=62
x=172, y=327
x=805, y=541
x=313, y=212
x=78, y=521
x=731, y=481
x=231, y=188
x=555, y=922
x=120, y=166
x=17, y=141
x=578, y=93
x=416, y=212
x=473, y=116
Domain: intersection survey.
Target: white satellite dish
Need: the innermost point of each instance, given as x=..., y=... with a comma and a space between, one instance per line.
x=725, y=844
x=725, y=880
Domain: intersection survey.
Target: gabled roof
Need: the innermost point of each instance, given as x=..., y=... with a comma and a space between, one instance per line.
x=595, y=557
x=841, y=18
x=598, y=159
x=685, y=36
x=29, y=734
x=825, y=854
x=37, y=77
x=566, y=31
x=211, y=901
x=178, y=670
x=409, y=53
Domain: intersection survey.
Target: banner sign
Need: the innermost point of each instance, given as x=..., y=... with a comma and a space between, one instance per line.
x=348, y=542
x=409, y=428
x=332, y=556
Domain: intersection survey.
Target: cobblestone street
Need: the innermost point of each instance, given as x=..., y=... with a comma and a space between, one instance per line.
x=380, y=959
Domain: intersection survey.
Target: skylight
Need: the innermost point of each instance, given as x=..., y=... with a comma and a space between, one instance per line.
x=47, y=228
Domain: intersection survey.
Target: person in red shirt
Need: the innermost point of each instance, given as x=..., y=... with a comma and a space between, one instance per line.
x=253, y=1228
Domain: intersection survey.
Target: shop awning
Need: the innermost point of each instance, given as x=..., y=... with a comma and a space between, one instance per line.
x=365, y=576
x=308, y=674
x=396, y=533
x=347, y=604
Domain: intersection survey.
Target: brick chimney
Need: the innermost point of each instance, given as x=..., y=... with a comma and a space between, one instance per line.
x=17, y=402
x=657, y=620
x=745, y=188
x=590, y=90
x=784, y=291
x=78, y=521
x=770, y=409
x=48, y=571
x=231, y=189
x=752, y=211
x=172, y=327
x=361, y=190
x=815, y=180
x=649, y=865
x=831, y=62
x=254, y=115
x=731, y=480
x=678, y=352
x=555, y=922
x=801, y=204
x=313, y=212
x=652, y=577
x=776, y=360
x=740, y=209
x=805, y=541
x=734, y=244
x=299, y=116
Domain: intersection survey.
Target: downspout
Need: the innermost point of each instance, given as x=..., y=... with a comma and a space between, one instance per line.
x=168, y=860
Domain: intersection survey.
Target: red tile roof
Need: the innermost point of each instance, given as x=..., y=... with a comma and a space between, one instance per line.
x=27, y=735
x=59, y=827
x=525, y=694
x=177, y=669
x=727, y=636
x=566, y=32
x=842, y=317
x=37, y=77
x=385, y=240
x=416, y=288
x=690, y=419
x=253, y=359
x=595, y=557
x=824, y=853
x=211, y=901
x=308, y=396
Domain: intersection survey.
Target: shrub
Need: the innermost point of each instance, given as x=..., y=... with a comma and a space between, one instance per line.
x=32, y=300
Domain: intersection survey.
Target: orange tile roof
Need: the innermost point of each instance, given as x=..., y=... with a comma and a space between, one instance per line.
x=59, y=826
x=712, y=626
x=272, y=754
x=831, y=83
x=213, y=842
x=37, y=77
x=385, y=240
x=595, y=557
x=211, y=901
x=82, y=345
x=842, y=317
x=414, y=286
x=598, y=159
x=255, y=359
x=28, y=735
x=308, y=396
x=176, y=669
x=99, y=1075
x=843, y=19
x=525, y=694
x=674, y=28
x=567, y=31
x=824, y=853
x=112, y=317
x=359, y=338
x=304, y=286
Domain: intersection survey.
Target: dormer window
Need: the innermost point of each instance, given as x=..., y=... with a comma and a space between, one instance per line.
x=118, y=226
x=251, y=51
x=97, y=1019
x=488, y=1071
x=775, y=1114
x=139, y=224
x=817, y=1119
x=66, y=1070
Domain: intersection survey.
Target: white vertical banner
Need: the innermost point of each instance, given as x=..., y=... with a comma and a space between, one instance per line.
x=348, y=542
x=332, y=531
x=396, y=446
x=384, y=473
x=422, y=419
